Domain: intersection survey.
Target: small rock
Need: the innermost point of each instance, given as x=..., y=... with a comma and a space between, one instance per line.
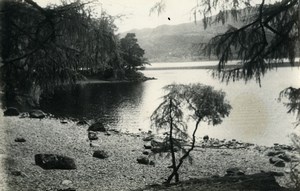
x=16, y=173
x=143, y=160
x=39, y=114
x=53, y=161
x=98, y=126
x=92, y=136
x=82, y=122
x=206, y=138
x=287, y=147
x=234, y=172
x=279, y=164
x=107, y=134
x=114, y=130
x=67, y=189
x=20, y=140
x=149, y=132
x=64, y=122
x=284, y=157
x=146, y=152
x=66, y=182
x=94, y=145
x=152, y=163
x=24, y=115
x=11, y=111
x=147, y=146
x=274, y=153
x=100, y=154
x=149, y=138
x=287, y=170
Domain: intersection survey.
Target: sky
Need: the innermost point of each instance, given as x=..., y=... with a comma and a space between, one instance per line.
x=137, y=12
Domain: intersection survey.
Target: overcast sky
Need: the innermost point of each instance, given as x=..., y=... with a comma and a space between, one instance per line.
x=137, y=12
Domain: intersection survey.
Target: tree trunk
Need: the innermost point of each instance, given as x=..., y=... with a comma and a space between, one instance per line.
x=175, y=171
x=172, y=147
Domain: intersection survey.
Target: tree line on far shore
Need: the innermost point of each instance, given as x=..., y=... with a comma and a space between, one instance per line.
x=42, y=48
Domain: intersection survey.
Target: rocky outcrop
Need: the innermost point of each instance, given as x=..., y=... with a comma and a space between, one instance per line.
x=53, y=161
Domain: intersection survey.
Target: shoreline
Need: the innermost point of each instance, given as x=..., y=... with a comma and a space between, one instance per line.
x=120, y=170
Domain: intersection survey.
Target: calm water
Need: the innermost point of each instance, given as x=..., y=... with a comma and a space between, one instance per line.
x=256, y=117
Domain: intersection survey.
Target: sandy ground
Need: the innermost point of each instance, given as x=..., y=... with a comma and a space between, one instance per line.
x=118, y=172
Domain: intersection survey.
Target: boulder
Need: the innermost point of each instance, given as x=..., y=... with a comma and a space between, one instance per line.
x=39, y=114
x=20, y=140
x=98, y=126
x=143, y=160
x=145, y=152
x=92, y=136
x=100, y=154
x=11, y=111
x=53, y=161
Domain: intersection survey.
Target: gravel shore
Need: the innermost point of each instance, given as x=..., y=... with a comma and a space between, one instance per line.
x=120, y=171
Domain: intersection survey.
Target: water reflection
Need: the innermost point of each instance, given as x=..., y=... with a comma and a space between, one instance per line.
x=96, y=101
x=256, y=115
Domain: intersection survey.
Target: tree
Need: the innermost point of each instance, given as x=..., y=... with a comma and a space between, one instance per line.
x=44, y=48
x=206, y=105
x=132, y=52
x=267, y=36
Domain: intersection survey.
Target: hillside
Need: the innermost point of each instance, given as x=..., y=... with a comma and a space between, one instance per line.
x=175, y=42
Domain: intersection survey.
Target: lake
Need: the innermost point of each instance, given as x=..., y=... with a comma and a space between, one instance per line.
x=257, y=115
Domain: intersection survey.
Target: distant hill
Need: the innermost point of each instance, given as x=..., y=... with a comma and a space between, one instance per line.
x=174, y=42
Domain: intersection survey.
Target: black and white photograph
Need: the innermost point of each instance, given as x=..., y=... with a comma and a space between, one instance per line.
x=149, y=95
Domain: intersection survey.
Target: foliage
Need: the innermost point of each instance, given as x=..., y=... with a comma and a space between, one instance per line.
x=293, y=104
x=267, y=36
x=205, y=103
x=42, y=48
x=132, y=53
